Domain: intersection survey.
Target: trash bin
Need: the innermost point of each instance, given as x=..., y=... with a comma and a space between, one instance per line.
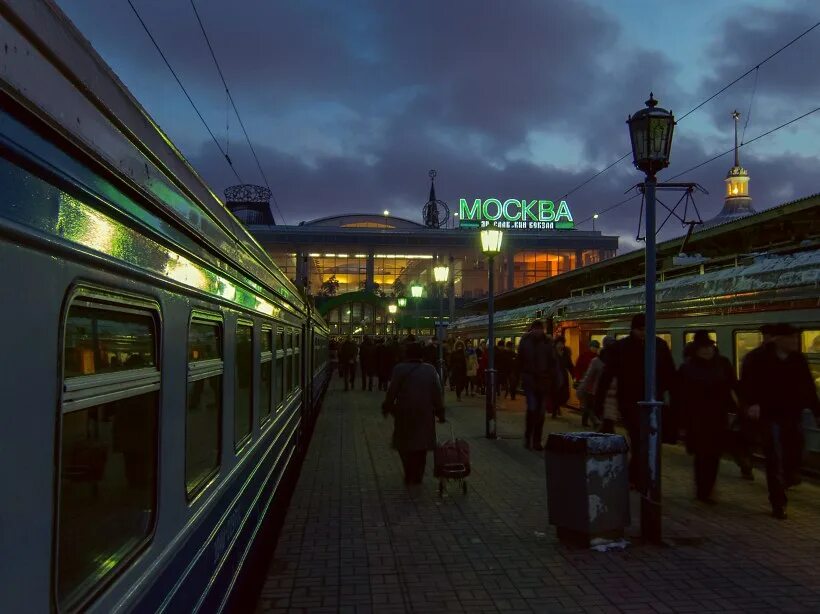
x=587, y=485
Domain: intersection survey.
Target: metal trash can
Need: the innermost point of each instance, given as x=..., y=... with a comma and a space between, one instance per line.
x=587, y=485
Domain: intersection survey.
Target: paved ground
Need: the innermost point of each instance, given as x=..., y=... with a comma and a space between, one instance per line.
x=356, y=540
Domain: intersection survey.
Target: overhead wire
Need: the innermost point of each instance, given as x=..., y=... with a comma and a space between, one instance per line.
x=756, y=67
x=184, y=91
x=709, y=160
x=233, y=104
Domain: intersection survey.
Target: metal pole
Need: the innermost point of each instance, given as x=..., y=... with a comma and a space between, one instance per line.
x=489, y=407
x=651, y=526
x=440, y=335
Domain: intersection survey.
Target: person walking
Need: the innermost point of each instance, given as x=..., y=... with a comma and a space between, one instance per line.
x=779, y=408
x=703, y=397
x=380, y=354
x=414, y=398
x=584, y=360
x=367, y=363
x=502, y=365
x=588, y=384
x=347, y=362
x=566, y=369
x=472, y=368
x=626, y=363
x=512, y=371
x=540, y=375
x=458, y=367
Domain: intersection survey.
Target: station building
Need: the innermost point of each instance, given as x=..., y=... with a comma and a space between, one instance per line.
x=358, y=264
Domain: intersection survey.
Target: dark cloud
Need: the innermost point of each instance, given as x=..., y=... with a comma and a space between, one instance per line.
x=350, y=103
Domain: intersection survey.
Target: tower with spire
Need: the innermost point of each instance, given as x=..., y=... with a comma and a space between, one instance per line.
x=737, y=202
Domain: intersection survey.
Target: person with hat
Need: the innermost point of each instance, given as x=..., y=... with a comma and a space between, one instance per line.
x=776, y=386
x=704, y=399
x=626, y=364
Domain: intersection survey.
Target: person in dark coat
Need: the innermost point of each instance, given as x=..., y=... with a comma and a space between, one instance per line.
x=704, y=400
x=626, y=363
x=540, y=375
x=458, y=367
x=512, y=371
x=776, y=386
x=367, y=361
x=414, y=397
x=502, y=367
x=565, y=362
x=347, y=362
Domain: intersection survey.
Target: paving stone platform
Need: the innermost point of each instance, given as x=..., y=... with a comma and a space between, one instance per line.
x=357, y=540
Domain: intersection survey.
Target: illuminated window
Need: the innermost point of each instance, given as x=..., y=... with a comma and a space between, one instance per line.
x=106, y=503
x=745, y=342
x=266, y=385
x=280, y=367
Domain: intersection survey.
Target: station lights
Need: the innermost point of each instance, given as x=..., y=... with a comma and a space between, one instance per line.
x=416, y=290
x=441, y=274
x=402, y=301
x=392, y=308
x=386, y=213
x=594, y=217
x=491, y=239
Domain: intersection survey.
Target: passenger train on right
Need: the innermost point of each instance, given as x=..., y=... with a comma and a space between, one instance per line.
x=732, y=303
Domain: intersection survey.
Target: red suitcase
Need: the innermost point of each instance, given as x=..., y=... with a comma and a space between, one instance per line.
x=452, y=461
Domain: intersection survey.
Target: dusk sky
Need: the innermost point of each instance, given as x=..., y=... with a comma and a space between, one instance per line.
x=349, y=103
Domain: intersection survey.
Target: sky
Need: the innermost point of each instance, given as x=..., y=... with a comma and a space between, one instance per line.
x=349, y=103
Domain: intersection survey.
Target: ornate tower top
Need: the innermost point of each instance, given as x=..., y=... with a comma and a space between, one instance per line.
x=249, y=203
x=737, y=202
x=435, y=212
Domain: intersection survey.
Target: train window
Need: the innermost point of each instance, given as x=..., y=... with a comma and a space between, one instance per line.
x=280, y=366
x=108, y=443
x=266, y=363
x=666, y=337
x=811, y=342
x=745, y=342
x=599, y=337
x=297, y=360
x=203, y=415
x=288, y=364
x=243, y=383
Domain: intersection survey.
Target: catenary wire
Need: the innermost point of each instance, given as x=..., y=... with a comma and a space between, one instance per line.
x=184, y=91
x=710, y=98
x=233, y=104
x=708, y=161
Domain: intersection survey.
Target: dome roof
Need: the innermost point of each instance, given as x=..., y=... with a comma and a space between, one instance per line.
x=364, y=220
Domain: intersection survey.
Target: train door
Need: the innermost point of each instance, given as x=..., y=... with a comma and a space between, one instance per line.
x=573, y=342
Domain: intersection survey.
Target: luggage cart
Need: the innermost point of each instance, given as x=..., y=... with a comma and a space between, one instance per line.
x=452, y=462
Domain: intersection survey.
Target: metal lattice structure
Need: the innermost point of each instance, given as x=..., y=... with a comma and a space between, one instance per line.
x=249, y=203
x=435, y=213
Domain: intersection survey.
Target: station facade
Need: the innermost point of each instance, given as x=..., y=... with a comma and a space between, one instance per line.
x=356, y=264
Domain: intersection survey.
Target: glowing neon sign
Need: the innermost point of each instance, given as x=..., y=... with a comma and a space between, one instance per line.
x=514, y=213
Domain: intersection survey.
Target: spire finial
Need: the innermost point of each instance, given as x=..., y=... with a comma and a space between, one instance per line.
x=736, y=117
x=651, y=103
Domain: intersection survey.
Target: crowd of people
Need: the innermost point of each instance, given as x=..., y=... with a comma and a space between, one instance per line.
x=699, y=396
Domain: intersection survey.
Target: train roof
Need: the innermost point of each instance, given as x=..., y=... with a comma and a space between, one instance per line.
x=762, y=274
x=78, y=95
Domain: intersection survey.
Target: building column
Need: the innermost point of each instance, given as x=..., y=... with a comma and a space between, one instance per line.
x=370, y=271
x=510, y=258
x=451, y=289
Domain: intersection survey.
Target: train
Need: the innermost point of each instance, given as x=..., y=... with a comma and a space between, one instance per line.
x=731, y=299
x=161, y=375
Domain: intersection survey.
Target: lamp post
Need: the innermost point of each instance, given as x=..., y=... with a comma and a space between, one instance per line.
x=594, y=217
x=650, y=132
x=491, y=238
x=441, y=273
x=415, y=292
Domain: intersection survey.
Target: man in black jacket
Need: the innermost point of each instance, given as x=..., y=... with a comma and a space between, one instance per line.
x=626, y=363
x=776, y=386
x=540, y=376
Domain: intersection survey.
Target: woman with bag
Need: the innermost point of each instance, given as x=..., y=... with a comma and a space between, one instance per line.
x=704, y=397
x=414, y=397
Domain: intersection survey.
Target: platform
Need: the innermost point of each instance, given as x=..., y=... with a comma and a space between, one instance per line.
x=356, y=540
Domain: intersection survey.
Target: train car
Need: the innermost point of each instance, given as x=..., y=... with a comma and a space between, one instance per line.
x=161, y=375
x=731, y=303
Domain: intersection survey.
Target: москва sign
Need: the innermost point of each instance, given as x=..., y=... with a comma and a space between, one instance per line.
x=514, y=213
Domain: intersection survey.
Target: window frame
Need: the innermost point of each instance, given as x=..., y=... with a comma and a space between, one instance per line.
x=196, y=370
x=105, y=386
x=743, y=331
x=239, y=445
x=268, y=357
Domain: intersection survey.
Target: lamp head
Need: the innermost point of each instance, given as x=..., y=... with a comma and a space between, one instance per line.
x=650, y=131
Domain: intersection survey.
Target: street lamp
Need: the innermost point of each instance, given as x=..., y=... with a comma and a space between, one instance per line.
x=650, y=131
x=392, y=309
x=402, y=301
x=441, y=274
x=415, y=292
x=594, y=217
x=491, y=238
